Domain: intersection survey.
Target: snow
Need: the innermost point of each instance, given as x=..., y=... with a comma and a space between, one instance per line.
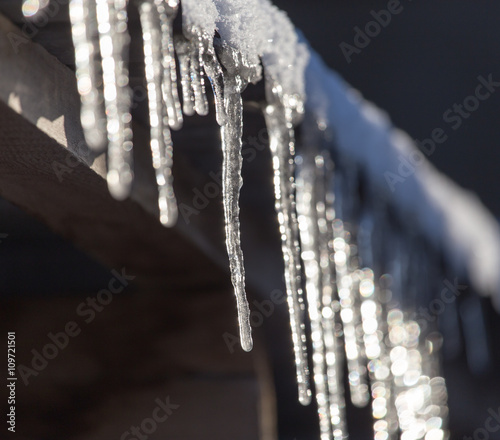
x=200, y=13
x=450, y=217
x=259, y=30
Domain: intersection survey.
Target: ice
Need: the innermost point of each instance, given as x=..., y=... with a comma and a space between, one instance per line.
x=237, y=75
x=443, y=212
x=306, y=210
x=214, y=73
x=88, y=72
x=183, y=51
x=161, y=142
x=259, y=30
x=346, y=243
x=167, y=12
x=114, y=42
x=198, y=81
x=281, y=143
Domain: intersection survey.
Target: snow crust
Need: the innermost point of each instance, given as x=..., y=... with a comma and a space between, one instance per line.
x=448, y=215
x=260, y=31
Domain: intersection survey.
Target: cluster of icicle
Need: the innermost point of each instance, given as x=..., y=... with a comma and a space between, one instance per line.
x=352, y=308
x=358, y=274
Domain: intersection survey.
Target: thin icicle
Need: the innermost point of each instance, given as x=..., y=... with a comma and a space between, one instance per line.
x=281, y=142
x=347, y=287
x=198, y=80
x=190, y=54
x=236, y=78
x=330, y=303
x=307, y=218
x=114, y=41
x=167, y=12
x=161, y=142
x=345, y=257
x=88, y=72
x=182, y=49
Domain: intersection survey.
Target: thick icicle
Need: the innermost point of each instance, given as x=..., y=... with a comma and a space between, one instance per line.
x=281, y=141
x=161, y=141
x=88, y=72
x=236, y=78
x=167, y=12
x=114, y=41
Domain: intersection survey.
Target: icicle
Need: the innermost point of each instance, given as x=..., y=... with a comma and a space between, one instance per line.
x=190, y=54
x=161, y=142
x=347, y=287
x=309, y=245
x=330, y=303
x=347, y=283
x=236, y=78
x=114, y=41
x=167, y=12
x=88, y=72
x=184, y=55
x=215, y=75
x=374, y=331
x=316, y=239
x=198, y=81
x=279, y=127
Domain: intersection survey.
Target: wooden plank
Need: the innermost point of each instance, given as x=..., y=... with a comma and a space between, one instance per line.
x=40, y=100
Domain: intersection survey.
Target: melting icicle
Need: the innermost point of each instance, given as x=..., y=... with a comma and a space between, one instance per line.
x=161, y=142
x=236, y=78
x=167, y=12
x=88, y=72
x=281, y=143
x=114, y=40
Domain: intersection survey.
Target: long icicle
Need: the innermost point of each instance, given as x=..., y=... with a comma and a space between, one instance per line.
x=88, y=72
x=167, y=12
x=330, y=303
x=114, y=41
x=306, y=209
x=161, y=141
x=347, y=282
x=231, y=134
x=281, y=143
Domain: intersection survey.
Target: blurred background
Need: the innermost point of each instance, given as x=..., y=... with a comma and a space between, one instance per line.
x=426, y=60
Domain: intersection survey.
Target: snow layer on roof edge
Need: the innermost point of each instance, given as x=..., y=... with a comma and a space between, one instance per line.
x=448, y=215
x=200, y=13
x=260, y=31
